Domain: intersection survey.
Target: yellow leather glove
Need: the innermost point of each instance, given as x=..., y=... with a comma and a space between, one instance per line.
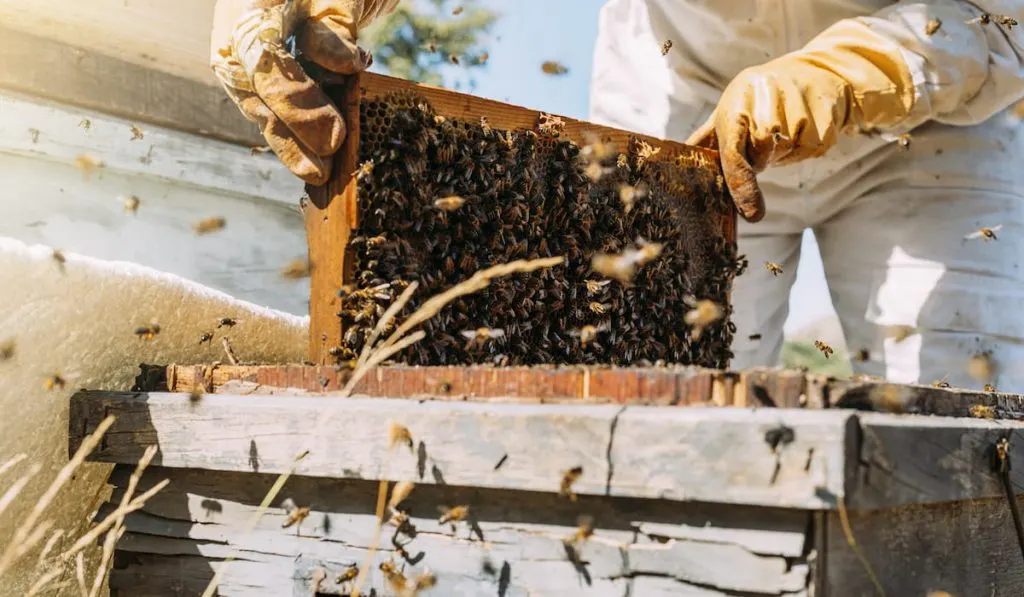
x=793, y=108
x=249, y=57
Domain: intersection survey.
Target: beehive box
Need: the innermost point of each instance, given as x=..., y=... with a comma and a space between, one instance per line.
x=528, y=185
x=699, y=501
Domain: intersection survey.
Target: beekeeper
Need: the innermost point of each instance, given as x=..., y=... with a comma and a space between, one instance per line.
x=808, y=103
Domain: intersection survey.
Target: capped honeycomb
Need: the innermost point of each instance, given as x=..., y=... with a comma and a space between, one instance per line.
x=530, y=194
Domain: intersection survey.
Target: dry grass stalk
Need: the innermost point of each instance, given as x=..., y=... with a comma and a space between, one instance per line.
x=80, y=574
x=43, y=581
x=44, y=554
x=275, y=489
x=13, y=461
x=378, y=356
x=12, y=492
x=385, y=321
x=364, y=570
x=94, y=533
x=848, y=532
x=20, y=542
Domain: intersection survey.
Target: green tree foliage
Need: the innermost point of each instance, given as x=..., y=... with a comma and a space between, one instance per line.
x=417, y=41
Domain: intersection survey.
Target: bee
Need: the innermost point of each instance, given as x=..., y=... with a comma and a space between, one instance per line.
x=453, y=515
x=208, y=225
x=59, y=259
x=430, y=47
x=399, y=434
x=645, y=152
x=7, y=350
x=85, y=124
x=400, y=493
x=665, y=47
x=55, y=381
x=258, y=149
x=569, y=478
x=136, y=133
x=898, y=333
x=481, y=335
x=773, y=267
x=622, y=267
x=454, y=59
x=297, y=269
x=34, y=135
x=87, y=164
x=148, y=332
x=450, y=203
x=904, y=141
x=702, y=314
x=990, y=388
x=584, y=530
x=549, y=124
x=622, y=161
x=485, y=125
x=482, y=58
x=553, y=67
x=595, y=171
x=628, y=194
x=348, y=575
x=402, y=586
x=824, y=348
x=981, y=411
x=365, y=169
x=980, y=367
x=131, y=203
x=227, y=322
x=596, y=286
x=862, y=355
x=754, y=337
x=985, y=233
x=205, y=337
x=296, y=514
x=599, y=308
x=933, y=26
x=941, y=383
x=595, y=148
x=588, y=333
x=1005, y=20
x=457, y=11
x=648, y=251
x=195, y=395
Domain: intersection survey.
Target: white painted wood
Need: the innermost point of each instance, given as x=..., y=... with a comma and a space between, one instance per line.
x=179, y=179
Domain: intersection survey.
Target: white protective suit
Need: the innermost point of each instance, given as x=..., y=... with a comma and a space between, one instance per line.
x=79, y=320
x=890, y=221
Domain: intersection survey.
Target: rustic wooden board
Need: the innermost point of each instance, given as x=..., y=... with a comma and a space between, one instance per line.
x=962, y=548
x=701, y=454
x=519, y=533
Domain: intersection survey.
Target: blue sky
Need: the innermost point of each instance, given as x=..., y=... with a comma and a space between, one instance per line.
x=527, y=33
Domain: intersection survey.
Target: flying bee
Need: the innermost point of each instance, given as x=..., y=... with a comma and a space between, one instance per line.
x=482, y=58
x=457, y=11
x=702, y=314
x=862, y=355
x=85, y=124
x=227, y=322
x=596, y=286
x=595, y=148
x=454, y=59
x=985, y=233
x=296, y=514
x=665, y=47
x=824, y=348
x=59, y=259
x=206, y=337
x=348, y=575
x=450, y=203
x=297, y=269
x=399, y=434
x=55, y=381
x=773, y=267
x=87, y=164
x=7, y=350
x=485, y=125
x=599, y=308
x=553, y=67
x=131, y=203
x=904, y=141
x=258, y=149
x=569, y=478
x=148, y=332
x=981, y=411
x=453, y=515
x=430, y=47
x=1005, y=20
x=588, y=333
x=208, y=225
x=941, y=383
x=595, y=171
x=990, y=388
x=480, y=336
x=584, y=530
x=980, y=366
x=648, y=251
x=933, y=26
x=628, y=194
x=136, y=133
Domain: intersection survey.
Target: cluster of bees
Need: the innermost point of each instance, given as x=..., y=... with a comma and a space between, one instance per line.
x=440, y=199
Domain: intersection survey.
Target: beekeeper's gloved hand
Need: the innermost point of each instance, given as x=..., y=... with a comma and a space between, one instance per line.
x=249, y=56
x=792, y=108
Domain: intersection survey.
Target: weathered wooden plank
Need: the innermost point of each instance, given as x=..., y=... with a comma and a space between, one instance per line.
x=915, y=460
x=778, y=457
x=961, y=548
x=925, y=400
x=522, y=532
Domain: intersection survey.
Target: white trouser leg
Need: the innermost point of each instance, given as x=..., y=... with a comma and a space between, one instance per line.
x=895, y=254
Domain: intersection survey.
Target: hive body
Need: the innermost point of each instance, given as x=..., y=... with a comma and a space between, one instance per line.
x=530, y=194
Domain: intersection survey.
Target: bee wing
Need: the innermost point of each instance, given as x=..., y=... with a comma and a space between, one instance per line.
x=996, y=228
x=497, y=333
x=468, y=334
x=289, y=505
x=975, y=234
